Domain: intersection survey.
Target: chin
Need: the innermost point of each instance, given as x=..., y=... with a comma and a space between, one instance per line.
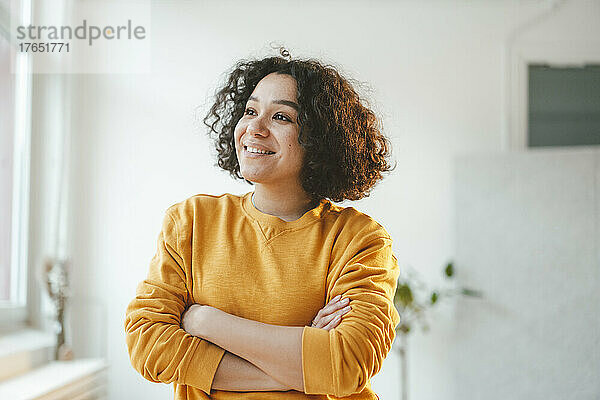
x=254, y=178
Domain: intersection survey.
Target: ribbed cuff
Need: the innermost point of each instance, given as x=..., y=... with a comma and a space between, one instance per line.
x=203, y=365
x=317, y=367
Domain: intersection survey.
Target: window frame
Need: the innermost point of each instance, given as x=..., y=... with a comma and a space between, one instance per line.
x=14, y=312
x=555, y=54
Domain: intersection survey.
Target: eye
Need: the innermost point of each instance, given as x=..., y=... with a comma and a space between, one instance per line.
x=248, y=111
x=283, y=117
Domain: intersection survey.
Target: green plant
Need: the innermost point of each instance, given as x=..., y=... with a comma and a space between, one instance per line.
x=412, y=300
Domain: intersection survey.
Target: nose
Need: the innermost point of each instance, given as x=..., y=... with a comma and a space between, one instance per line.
x=257, y=127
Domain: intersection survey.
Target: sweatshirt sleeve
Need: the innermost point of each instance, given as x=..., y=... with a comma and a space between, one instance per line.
x=159, y=349
x=341, y=361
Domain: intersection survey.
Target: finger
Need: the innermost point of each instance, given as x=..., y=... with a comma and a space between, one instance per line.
x=316, y=323
x=336, y=298
x=328, y=318
x=331, y=303
x=319, y=315
x=330, y=308
x=333, y=323
x=320, y=320
x=336, y=304
x=325, y=314
x=343, y=310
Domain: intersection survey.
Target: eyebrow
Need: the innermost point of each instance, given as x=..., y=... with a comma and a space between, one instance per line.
x=284, y=102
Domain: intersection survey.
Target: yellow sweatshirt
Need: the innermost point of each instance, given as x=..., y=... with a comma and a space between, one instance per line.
x=223, y=252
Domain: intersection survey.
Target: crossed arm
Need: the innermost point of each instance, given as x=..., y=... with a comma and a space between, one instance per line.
x=236, y=374
x=259, y=356
x=226, y=352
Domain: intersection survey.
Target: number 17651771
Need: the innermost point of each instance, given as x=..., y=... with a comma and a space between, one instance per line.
x=44, y=47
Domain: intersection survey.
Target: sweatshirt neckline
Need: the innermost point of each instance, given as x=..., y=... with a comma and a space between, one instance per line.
x=276, y=222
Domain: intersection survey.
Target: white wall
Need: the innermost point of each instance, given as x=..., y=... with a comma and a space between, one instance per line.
x=527, y=236
x=438, y=74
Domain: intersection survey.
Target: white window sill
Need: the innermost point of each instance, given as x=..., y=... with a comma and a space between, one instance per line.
x=77, y=379
x=24, y=350
x=24, y=339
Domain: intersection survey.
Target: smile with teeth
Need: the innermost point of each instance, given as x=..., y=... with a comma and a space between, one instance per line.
x=257, y=151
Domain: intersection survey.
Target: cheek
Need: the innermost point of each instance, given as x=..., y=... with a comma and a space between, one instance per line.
x=237, y=133
x=296, y=151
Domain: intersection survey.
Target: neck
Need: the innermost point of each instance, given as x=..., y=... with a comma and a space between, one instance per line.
x=284, y=203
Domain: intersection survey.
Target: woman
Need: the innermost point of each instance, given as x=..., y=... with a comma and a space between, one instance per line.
x=278, y=293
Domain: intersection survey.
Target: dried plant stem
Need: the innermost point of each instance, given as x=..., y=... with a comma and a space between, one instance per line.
x=403, y=366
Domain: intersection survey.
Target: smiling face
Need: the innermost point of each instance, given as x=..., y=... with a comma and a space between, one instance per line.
x=266, y=137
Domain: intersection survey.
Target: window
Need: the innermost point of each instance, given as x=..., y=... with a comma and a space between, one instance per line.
x=15, y=101
x=552, y=94
x=7, y=101
x=563, y=105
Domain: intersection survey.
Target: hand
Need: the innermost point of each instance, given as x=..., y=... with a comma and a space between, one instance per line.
x=330, y=316
x=195, y=318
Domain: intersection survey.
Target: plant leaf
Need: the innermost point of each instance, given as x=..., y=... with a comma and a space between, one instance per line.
x=404, y=295
x=404, y=328
x=449, y=271
x=471, y=292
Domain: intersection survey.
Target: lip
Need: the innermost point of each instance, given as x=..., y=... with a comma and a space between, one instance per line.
x=256, y=146
x=255, y=155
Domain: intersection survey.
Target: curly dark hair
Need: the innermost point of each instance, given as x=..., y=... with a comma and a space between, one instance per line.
x=345, y=150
